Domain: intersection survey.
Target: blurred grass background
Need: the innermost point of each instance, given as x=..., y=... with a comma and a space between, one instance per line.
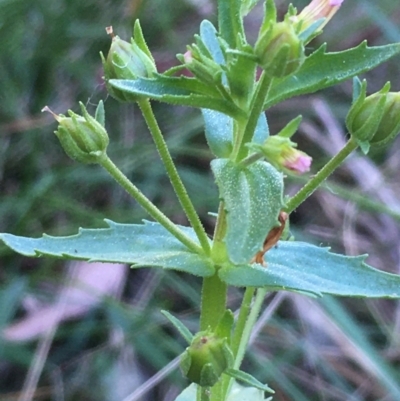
x=306, y=349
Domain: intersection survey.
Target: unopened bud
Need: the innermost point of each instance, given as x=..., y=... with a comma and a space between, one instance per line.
x=83, y=138
x=375, y=119
x=126, y=60
x=207, y=357
x=279, y=50
x=201, y=65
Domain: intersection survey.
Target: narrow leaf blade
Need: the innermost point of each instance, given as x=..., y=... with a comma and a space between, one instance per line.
x=141, y=245
x=248, y=379
x=183, y=330
x=322, y=70
x=229, y=20
x=301, y=267
x=177, y=91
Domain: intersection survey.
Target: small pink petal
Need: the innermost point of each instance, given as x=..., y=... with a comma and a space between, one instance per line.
x=188, y=57
x=335, y=3
x=299, y=165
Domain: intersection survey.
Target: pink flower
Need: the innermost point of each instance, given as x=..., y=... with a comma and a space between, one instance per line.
x=297, y=161
x=281, y=152
x=316, y=10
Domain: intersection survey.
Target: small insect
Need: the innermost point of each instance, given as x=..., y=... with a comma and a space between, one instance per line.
x=271, y=240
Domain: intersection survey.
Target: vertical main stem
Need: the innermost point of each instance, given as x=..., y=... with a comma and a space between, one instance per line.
x=213, y=302
x=173, y=175
x=213, y=295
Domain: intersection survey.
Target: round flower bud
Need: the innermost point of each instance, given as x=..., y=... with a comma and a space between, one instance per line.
x=375, y=119
x=126, y=60
x=279, y=50
x=83, y=138
x=207, y=357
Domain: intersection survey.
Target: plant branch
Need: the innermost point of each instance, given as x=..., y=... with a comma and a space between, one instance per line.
x=147, y=205
x=173, y=175
x=257, y=104
x=321, y=176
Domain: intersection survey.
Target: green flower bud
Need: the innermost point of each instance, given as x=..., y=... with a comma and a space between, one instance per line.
x=83, y=138
x=207, y=357
x=375, y=119
x=201, y=66
x=127, y=61
x=279, y=50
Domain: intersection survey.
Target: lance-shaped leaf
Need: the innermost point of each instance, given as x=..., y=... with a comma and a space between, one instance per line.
x=141, y=245
x=321, y=70
x=182, y=91
x=229, y=21
x=301, y=267
x=208, y=34
x=253, y=199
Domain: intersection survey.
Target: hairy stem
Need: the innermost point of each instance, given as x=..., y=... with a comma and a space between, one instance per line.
x=321, y=176
x=173, y=175
x=256, y=107
x=147, y=205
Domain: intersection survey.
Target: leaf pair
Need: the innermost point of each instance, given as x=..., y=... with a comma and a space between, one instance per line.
x=292, y=266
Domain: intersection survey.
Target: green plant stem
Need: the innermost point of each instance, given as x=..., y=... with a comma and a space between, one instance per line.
x=213, y=295
x=213, y=302
x=238, y=332
x=173, y=175
x=251, y=159
x=321, y=176
x=256, y=107
x=147, y=205
x=242, y=319
x=246, y=329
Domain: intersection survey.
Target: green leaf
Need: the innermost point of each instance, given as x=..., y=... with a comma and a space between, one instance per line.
x=230, y=21
x=189, y=394
x=247, y=6
x=237, y=393
x=179, y=91
x=140, y=245
x=208, y=34
x=183, y=330
x=219, y=132
x=224, y=327
x=218, y=129
x=301, y=267
x=253, y=199
x=322, y=70
x=100, y=115
x=248, y=379
x=261, y=132
x=241, y=393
